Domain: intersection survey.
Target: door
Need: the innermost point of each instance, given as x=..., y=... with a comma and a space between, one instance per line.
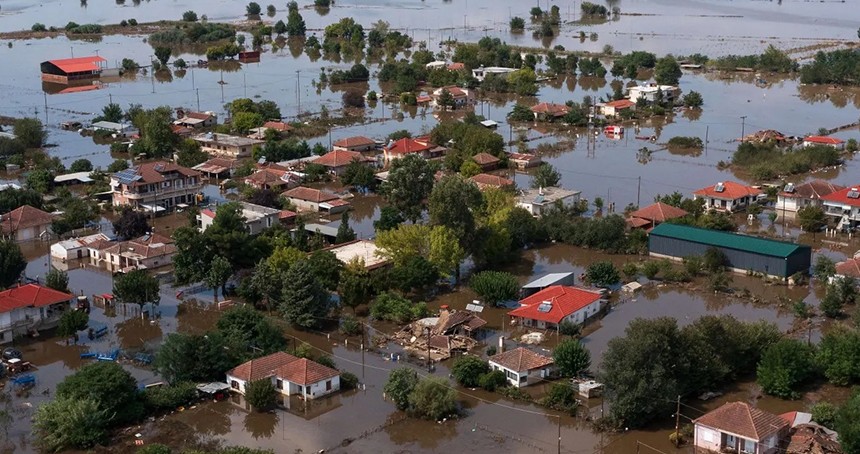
x=279, y=383
x=328, y=385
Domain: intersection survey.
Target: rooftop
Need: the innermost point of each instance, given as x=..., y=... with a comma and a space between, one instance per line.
x=547, y=280
x=849, y=268
x=250, y=212
x=408, y=145
x=263, y=367
x=305, y=372
x=339, y=158
x=30, y=295
x=226, y=139
x=79, y=64
x=728, y=190
x=364, y=250
x=486, y=179
x=216, y=165
x=83, y=177
x=24, y=217
x=658, y=212
x=485, y=159
x=554, y=303
x=845, y=196
x=743, y=420
x=521, y=360
x=814, y=189
x=152, y=172
x=824, y=140
x=620, y=104
x=310, y=194
x=728, y=240
x=545, y=196
x=556, y=110
x=146, y=246
x=355, y=141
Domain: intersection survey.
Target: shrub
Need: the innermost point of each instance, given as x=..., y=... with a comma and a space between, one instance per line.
x=132, y=22
x=261, y=394
x=395, y=308
x=493, y=380
x=824, y=413
x=401, y=382
x=348, y=381
x=467, y=370
x=494, y=287
x=164, y=398
x=568, y=328
x=685, y=142
x=37, y=27
x=71, y=322
x=189, y=16
x=560, y=397
x=784, y=367
x=602, y=274
x=433, y=399
x=353, y=98
x=517, y=24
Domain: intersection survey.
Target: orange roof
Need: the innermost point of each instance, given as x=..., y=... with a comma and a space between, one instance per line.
x=357, y=141
x=740, y=419
x=24, y=217
x=731, y=191
x=485, y=159
x=814, y=189
x=556, y=110
x=76, y=65
x=408, y=145
x=455, y=91
x=278, y=126
x=849, y=268
x=149, y=245
x=486, y=179
x=310, y=194
x=841, y=196
x=659, y=212
x=286, y=215
x=521, y=360
x=620, y=104
x=636, y=222
x=305, y=372
x=564, y=301
x=30, y=295
x=153, y=172
x=823, y=140
x=339, y=158
x=456, y=66
x=264, y=367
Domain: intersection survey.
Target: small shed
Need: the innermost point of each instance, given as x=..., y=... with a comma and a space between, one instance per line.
x=546, y=281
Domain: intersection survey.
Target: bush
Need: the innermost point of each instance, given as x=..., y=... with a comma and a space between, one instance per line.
x=353, y=98
x=154, y=449
x=568, y=328
x=493, y=380
x=189, y=16
x=401, y=382
x=494, y=287
x=395, y=308
x=132, y=22
x=253, y=9
x=71, y=322
x=571, y=358
x=166, y=398
x=602, y=274
x=433, y=399
x=784, y=367
x=560, y=397
x=70, y=423
x=517, y=24
x=348, y=381
x=685, y=142
x=467, y=370
x=37, y=27
x=261, y=394
x=824, y=413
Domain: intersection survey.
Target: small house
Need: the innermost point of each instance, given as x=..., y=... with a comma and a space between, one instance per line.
x=195, y=120
x=421, y=146
x=460, y=96
x=337, y=161
x=309, y=199
x=273, y=178
x=364, y=251
x=486, y=180
x=547, y=111
x=523, y=161
x=30, y=308
x=536, y=201
x=217, y=167
x=794, y=197
x=257, y=217
x=523, y=367
x=653, y=215
x=146, y=252
x=26, y=223
x=481, y=73
x=615, y=108
x=727, y=196
x=355, y=143
x=652, y=93
x=116, y=129
x=289, y=375
x=548, y=308
x=279, y=127
x=226, y=145
x=826, y=141
x=486, y=161
x=77, y=248
x=739, y=427
x=545, y=281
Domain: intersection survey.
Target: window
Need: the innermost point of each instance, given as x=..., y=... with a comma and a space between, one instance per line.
x=279, y=384
x=234, y=384
x=328, y=385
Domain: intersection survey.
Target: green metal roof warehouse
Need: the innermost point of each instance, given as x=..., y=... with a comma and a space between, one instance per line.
x=771, y=257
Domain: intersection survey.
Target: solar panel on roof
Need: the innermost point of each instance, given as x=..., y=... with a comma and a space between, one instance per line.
x=127, y=176
x=853, y=194
x=545, y=306
x=539, y=199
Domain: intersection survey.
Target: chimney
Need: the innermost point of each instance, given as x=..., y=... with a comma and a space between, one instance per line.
x=501, y=345
x=540, y=190
x=443, y=309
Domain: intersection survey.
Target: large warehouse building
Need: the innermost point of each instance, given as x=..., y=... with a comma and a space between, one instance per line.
x=778, y=259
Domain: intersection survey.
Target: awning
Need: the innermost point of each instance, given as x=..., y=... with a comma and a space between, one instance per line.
x=152, y=208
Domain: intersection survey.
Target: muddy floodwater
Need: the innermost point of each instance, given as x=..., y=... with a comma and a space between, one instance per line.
x=362, y=421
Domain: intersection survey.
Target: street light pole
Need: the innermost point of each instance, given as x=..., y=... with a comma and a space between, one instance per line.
x=743, y=127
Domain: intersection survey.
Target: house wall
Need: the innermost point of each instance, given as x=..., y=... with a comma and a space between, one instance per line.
x=838, y=210
x=706, y=438
x=304, y=205
x=793, y=204
x=157, y=261
x=725, y=204
x=359, y=148
x=288, y=388
x=221, y=149
x=579, y=317
x=514, y=378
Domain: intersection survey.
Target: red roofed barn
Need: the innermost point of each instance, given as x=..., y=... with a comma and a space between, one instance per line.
x=549, y=307
x=29, y=308
x=739, y=427
x=290, y=375
x=68, y=70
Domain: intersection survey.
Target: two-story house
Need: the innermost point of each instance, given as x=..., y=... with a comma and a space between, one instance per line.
x=740, y=428
x=155, y=186
x=794, y=197
x=30, y=308
x=727, y=196
x=421, y=146
x=226, y=145
x=844, y=205
x=257, y=217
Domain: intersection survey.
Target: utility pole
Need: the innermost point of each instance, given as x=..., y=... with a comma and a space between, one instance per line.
x=707, y=130
x=638, y=190
x=298, y=92
x=46, y=107
x=743, y=126
x=244, y=85
x=73, y=51
x=110, y=98
x=428, y=349
x=197, y=91
x=677, y=421
x=192, y=79
x=559, y=434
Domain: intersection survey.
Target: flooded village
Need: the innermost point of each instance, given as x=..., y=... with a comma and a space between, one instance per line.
x=625, y=226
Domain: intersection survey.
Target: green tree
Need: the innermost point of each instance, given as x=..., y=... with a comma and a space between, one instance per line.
x=395, y=308
x=218, y=274
x=189, y=153
x=261, y=394
x=71, y=322
x=81, y=165
x=784, y=367
x=40, y=180
x=409, y=184
x=195, y=357
x=452, y=203
x=571, y=358
x=714, y=260
x=243, y=122
x=131, y=224
x=433, y=399
x=118, y=165
x=847, y=424
x=157, y=138
x=493, y=380
x=162, y=54
x=602, y=274
x=824, y=268
x=109, y=385
x=545, y=176
x=344, y=231
x=693, y=99
x=389, y=218
x=417, y=273
x=468, y=370
x=30, y=132
x=359, y=175
x=355, y=287
x=495, y=287
x=70, y=423
x=189, y=16
x=517, y=24
x=811, y=218
x=136, y=287
x=246, y=327
x=667, y=71
x=253, y=9
x=12, y=262
x=303, y=300
x=57, y=280
x=831, y=305
x=401, y=382
x=838, y=356
x=295, y=24
x=824, y=413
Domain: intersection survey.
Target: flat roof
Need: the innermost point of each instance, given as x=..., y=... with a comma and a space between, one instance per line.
x=324, y=229
x=111, y=125
x=83, y=177
x=361, y=249
x=547, y=280
x=544, y=196
x=227, y=139
x=728, y=240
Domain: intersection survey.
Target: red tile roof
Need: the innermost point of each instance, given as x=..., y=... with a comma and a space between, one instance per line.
x=620, y=104
x=24, y=217
x=150, y=245
x=287, y=215
x=564, y=301
x=339, y=158
x=521, y=360
x=278, y=126
x=658, y=212
x=208, y=213
x=740, y=419
x=153, y=172
x=849, y=268
x=637, y=222
x=556, y=110
x=199, y=115
x=824, y=140
x=267, y=177
x=408, y=145
x=814, y=189
x=310, y=194
x=80, y=64
x=263, y=367
x=731, y=191
x=357, y=141
x=305, y=372
x=522, y=157
x=486, y=179
x=30, y=295
x=485, y=159
x=455, y=91
x=456, y=66
x=841, y=197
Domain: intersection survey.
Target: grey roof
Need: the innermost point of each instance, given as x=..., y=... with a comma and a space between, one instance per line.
x=83, y=177
x=547, y=280
x=327, y=230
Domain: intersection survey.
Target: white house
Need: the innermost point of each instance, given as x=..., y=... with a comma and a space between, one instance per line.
x=30, y=308
x=738, y=427
x=118, y=129
x=548, y=308
x=650, y=93
x=536, y=201
x=727, y=196
x=810, y=141
x=482, y=72
x=26, y=223
x=290, y=375
x=844, y=205
x=77, y=248
x=522, y=367
x=147, y=252
x=257, y=217
x=793, y=198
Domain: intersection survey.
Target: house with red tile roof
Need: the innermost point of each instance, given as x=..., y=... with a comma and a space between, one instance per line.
x=337, y=161
x=727, y=196
x=355, y=143
x=614, y=108
x=739, y=427
x=273, y=178
x=844, y=205
x=794, y=197
x=486, y=180
x=194, y=120
x=279, y=127
x=523, y=367
x=155, y=186
x=461, y=96
x=848, y=268
x=421, y=146
x=30, y=308
x=486, y=161
x=310, y=199
x=26, y=223
x=289, y=375
x=654, y=214
x=456, y=66
x=146, y=252
x=523, y=161
x=811, y=141
x=548, y=308
x=547, y=111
